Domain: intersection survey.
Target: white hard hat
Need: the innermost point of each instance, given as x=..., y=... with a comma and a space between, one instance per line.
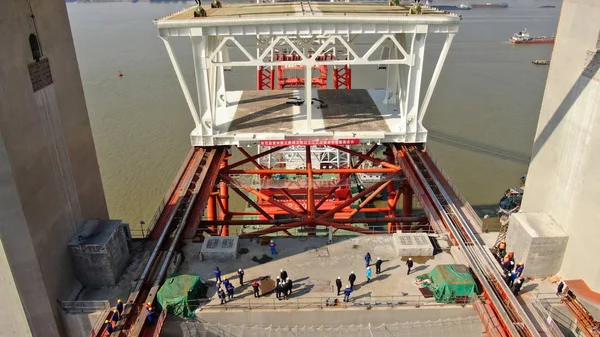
x=240, y=269
x=351, y=272
x=410, y=258
x=378, y=258
x=339, y=278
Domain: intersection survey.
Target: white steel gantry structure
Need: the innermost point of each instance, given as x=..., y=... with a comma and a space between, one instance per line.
x=309, y=31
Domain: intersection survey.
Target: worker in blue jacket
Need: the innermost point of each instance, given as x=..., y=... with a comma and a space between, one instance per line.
x=368, y=259
x=272, y=246
x=217, y=274
x=347, y=293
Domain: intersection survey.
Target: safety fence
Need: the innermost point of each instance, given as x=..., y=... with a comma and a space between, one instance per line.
x=452, y=327
x=556, y=315
x=102, y=308
x=292, y=302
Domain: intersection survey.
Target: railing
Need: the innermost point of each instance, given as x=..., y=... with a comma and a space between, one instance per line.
x=160, y=323
x=359, y=301
x=455, y=189
x=144, y=233
x=86, y=307
x=548, y=319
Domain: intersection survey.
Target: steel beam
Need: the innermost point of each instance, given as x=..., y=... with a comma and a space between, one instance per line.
x=253, y=158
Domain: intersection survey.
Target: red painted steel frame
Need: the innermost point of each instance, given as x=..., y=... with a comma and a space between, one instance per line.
x=311, y=206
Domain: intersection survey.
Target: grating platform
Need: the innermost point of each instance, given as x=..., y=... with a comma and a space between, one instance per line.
x=276, y=115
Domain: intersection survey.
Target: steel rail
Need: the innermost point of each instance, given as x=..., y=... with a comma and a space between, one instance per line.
x=490, y=263
x=133, y=298
x=478, y=260
x=141, y=319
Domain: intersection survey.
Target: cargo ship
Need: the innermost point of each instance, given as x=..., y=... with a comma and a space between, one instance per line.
x=523, y=37
x=541, y=62
x=461, y=7
x=490, y=5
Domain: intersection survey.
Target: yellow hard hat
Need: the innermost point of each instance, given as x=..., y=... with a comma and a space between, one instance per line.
x=149, y=303
x=119, y=301
x=115, y=310
x=106, y=321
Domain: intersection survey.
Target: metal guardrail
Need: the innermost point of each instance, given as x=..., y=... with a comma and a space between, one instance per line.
x=88, y=307
x=455, y=189
x=319, y=302
x=143, y=233
x=542, y=310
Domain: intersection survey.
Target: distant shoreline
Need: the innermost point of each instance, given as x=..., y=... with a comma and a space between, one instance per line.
x=132, y=1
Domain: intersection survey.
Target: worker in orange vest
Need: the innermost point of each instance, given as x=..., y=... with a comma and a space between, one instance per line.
x=502, y=248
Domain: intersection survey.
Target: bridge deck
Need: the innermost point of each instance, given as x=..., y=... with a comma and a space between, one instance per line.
x=301, y=9
x=333, y=112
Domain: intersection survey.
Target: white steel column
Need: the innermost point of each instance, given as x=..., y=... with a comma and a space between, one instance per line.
x=414, y=82
x=199, y=45
x=391, y=83
x=435, y=76
x=181, y=79
x=308, y=93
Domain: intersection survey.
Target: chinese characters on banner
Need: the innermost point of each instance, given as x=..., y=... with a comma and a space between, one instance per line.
x=309, y=142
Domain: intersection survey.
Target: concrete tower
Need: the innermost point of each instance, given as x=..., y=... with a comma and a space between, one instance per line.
x=49, y=176
x=564, y=176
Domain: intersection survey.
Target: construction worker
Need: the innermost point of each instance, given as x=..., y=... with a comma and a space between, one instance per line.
x=369, y=273
x=347, y=293
x=150, y=317
x=148, y=305
x=230, y=291
x=519, y=269
x=115, y=316
x=241, y=276
x=409, y=264
x=222, y=296
x=378, y=265
x=255, y=286
x=368, y=259
x=517, y=286
x=218, y=286
x=119, y=307
x=283, y=275
x=272, y=246
x=501, y=249
x=288, y=286
x=109, y=327
x=278, y=289
x=560, y=288
x=338, y=284
x=217, y=274
x=511, y=256
x=507, y=264
x=352, y=278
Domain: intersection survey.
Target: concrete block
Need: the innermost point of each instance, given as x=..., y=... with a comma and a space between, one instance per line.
x=412, y=244
x=538, y=242
x=99, y=252
x=220, y=248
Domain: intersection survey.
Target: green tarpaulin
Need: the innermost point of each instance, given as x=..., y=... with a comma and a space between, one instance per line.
x=450, y=283
x=178, y=295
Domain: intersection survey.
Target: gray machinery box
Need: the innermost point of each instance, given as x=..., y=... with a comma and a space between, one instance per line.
x=99, y=252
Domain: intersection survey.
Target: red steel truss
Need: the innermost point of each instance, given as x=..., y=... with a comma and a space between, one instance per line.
x=308, y=201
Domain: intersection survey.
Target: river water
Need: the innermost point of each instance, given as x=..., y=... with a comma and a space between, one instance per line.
x=481, y=119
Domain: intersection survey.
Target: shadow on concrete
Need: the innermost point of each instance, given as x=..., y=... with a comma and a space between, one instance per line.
x=368, y=295
x=588, y=73
x=419, y=268
x=303, y=291
x=391, y=268
x=529, y=287
x=381, y=277
x=478, y=147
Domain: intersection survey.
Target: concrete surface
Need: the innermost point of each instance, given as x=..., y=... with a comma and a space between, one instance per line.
x=538, y=242
x=562, y=180
x=412, y=244
x=313, y=266
x=49, y=177
x=100, y=252
x=220, y=248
